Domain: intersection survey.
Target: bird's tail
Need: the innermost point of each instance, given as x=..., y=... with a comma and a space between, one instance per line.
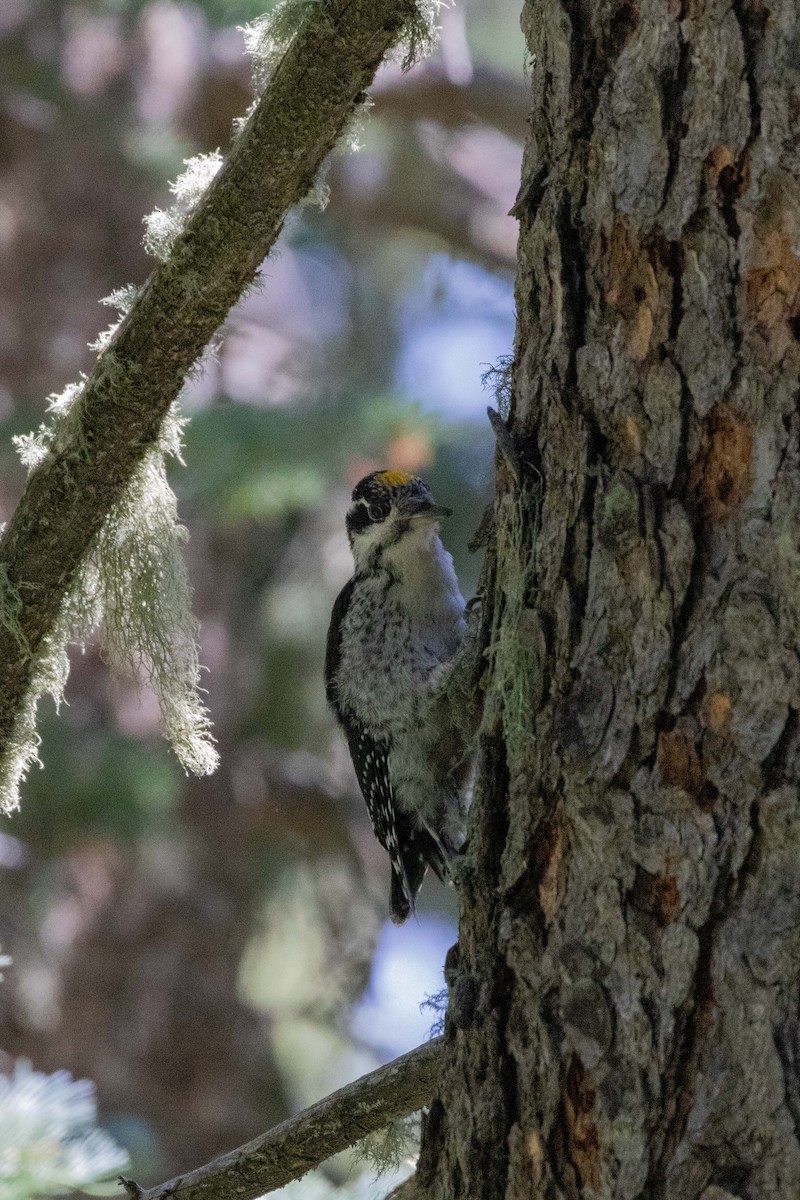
x=407, y=875
x=408, y=871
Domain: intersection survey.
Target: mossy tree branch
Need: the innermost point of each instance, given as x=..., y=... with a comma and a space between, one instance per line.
x=311, y=95
x=303, y=1142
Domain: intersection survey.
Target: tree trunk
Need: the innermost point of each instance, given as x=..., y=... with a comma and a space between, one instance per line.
x=624, y=1001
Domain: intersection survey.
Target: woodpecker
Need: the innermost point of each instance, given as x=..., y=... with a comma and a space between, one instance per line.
x=395, y=626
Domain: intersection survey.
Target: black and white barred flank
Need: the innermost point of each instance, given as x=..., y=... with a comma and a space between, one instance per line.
x=409, y=849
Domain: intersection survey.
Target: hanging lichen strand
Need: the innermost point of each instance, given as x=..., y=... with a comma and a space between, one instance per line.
x=127, y=576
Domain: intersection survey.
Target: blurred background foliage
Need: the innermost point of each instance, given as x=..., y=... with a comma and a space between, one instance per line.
x=214, y=954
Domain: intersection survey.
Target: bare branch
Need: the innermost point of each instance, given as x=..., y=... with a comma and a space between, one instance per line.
x=311, y=95
x=298, y=1145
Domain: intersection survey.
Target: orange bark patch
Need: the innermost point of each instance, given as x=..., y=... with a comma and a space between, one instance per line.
x=722, y=473
x=771, y=278
x=582, y=1135
x=666, y=898
x=729, y=178
x=551, y=886
x=718, y=160
x=533, y=1145
x=632, y=436
x=630, y=286
x=772, y=295
x=680, y=766
x=658, y=896
x=716, y=712
x=679, y=763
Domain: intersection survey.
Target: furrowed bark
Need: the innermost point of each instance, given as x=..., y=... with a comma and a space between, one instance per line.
x=313, y=92
x=296, y=1146
x=625, y=1013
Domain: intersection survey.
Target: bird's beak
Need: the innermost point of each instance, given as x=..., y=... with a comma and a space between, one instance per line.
x=424, y=509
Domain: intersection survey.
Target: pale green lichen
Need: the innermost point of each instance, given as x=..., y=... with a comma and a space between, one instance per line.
x=49, y=677
x=420, y=31
x=516, y=674
x=349, y=143
x=123, y=300
x=316, y=1186
x=319, y=193
x=33, y=448
x=268, y=38
x=163, y=226
x=10, y=608
x=513, y=651
x=147, y=626
x=133, y=586
x=240, y=123
x=386, y=1149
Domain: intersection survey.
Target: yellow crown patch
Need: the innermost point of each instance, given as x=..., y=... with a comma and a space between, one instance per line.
x=393, y=479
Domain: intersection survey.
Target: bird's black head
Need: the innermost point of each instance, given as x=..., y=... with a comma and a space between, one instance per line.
x=386, y=506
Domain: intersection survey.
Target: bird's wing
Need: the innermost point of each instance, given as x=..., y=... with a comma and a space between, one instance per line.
x=409, y=847
x=393, y=828
x=333, y=650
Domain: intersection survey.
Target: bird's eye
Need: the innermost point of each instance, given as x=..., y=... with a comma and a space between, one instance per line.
x=373, y=512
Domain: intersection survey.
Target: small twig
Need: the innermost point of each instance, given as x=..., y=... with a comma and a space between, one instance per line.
x=505, y=444
x=131, y=1186
x=298, y=1145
